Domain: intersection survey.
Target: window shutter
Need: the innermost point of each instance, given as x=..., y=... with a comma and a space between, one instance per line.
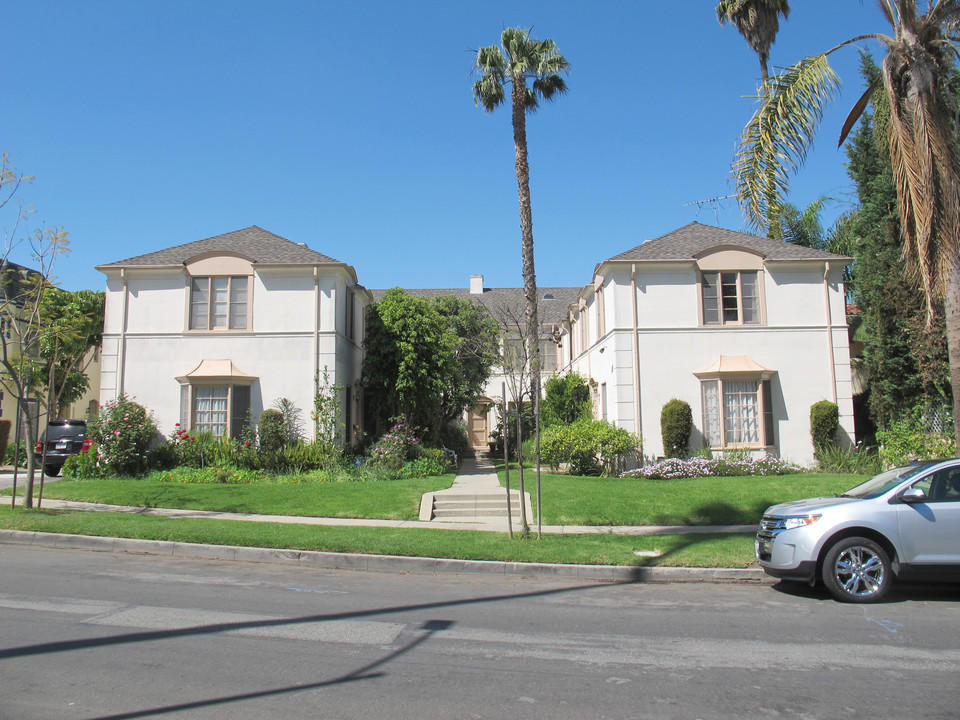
x=240, y=408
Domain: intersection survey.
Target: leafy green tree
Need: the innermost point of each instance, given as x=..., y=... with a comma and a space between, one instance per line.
x=758, y=21
x=921, y=140
x=518, y=60
x=474, y=342
x=408, y=363
x=72, y=328
x=566, y=399
x=427, y=359
x=21, y=293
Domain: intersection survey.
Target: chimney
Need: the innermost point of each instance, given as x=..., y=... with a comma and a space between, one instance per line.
x=476, y=284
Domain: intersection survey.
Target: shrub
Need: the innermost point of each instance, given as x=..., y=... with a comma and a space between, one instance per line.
x=304, y=457
x=162, y=457
x=454, y=437
x=860, y=460
x=909, y=439
x=526, y=429
x=83, y=465
x=824, y=422
x=676, y=423
x=271, y=433
x=421, y=468
x=566, y=400
x=589, y=446
x=4, y=436
x=16, y=455
x=123, y=432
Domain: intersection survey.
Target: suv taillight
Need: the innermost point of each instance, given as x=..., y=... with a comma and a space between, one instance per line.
x=40, y=446
x=87, y=444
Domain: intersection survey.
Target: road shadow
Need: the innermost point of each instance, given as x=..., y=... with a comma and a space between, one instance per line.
x=902, y=591
x=371, y=670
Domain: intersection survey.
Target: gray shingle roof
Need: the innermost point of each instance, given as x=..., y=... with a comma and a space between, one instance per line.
x=254, y=242
x=687, y=242
x=550, y=309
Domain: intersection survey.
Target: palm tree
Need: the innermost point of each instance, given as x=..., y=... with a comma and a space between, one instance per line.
x=922, y=138
x=758, y=21
x=521, y=59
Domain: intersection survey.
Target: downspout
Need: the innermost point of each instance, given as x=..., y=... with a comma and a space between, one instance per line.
x=316, y=337
x=636, y=360
x=826, y=299
x=123, y=333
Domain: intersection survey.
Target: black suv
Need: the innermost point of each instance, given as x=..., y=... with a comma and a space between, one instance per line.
x=62, y=439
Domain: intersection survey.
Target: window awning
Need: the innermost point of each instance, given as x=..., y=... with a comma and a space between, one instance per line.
x=222, y=371
x=736, y=365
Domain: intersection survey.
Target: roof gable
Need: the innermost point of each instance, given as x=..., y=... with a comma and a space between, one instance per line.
x=260, y=246
x=691, y=241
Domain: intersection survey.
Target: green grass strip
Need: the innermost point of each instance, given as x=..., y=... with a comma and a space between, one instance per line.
x=692, y=550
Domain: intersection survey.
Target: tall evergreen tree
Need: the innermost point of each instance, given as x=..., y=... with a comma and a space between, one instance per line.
x=904, y=359
x=921, y=139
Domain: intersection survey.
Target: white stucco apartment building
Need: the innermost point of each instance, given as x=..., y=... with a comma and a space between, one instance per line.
x=203, y=332
x=749, y=331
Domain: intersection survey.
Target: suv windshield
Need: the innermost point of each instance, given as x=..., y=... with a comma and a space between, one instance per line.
x=879, y=484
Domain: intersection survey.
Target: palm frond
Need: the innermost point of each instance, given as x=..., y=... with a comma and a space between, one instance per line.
x=775, y=141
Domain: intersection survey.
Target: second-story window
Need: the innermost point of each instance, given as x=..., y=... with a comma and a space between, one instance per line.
x=218, y=303
x=730, y=298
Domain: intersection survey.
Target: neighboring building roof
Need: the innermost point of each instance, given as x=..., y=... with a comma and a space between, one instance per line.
x=552, y=302
x=688, y=242
x=261, y=246
x=12, y=280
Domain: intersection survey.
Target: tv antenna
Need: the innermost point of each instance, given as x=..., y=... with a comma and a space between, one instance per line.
x=714, y=201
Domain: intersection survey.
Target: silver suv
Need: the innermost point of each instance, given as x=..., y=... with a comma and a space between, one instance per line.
x=904, y=523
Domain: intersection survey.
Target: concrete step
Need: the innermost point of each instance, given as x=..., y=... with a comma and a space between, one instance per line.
x=441, y=514
x=468, y=503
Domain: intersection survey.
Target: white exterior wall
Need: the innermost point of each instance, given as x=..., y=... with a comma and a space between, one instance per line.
x=147, y=345
x=794, y=343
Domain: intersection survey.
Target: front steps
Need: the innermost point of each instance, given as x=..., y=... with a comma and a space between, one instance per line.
x=485, y=507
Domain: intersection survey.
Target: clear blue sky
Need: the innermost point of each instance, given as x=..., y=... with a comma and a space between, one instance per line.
x=351, y=126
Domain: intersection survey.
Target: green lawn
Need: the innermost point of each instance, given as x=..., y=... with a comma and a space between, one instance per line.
x=395, y=500
x=695, y=550
x=567, y=501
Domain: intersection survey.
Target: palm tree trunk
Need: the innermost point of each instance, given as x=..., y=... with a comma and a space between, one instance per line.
x=952, y=311
x=526, y=230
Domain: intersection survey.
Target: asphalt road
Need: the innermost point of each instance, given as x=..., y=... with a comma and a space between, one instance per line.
x=93, y=635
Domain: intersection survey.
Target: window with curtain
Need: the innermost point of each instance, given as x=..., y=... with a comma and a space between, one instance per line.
x=737, y=412
x=221, y=410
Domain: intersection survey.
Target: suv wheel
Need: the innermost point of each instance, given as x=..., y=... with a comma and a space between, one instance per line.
x=51, y=470
x=857, y=570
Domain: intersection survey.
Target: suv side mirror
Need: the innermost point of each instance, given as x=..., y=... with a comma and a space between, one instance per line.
x=913, y=495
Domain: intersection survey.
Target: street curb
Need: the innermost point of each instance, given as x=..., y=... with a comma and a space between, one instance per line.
x=382, y=563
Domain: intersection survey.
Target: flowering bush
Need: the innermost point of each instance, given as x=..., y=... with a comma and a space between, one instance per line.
x=123, y=433
x=395, y=447
x=673, y=468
